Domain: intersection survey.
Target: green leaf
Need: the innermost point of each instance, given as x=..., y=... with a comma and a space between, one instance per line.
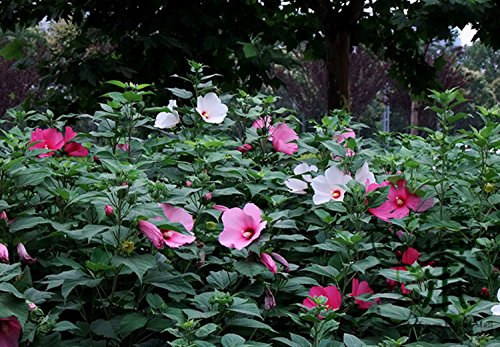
x=232, y=340
x=181, y=93
x=249, y=323
x=246, y=308
x=206, y=330
x=139, y=264
x=131, y=322
x=27, y=223
x=249, y=269
x=117, y=83
x=13, y=50
x=65, y=326
x=365, y=264
x=327, y=270
x=352, y=341
x=250, y=50
x=8, y=272
x=222, y=279
x=87, y=232
x=12, y=306
x=393, y=312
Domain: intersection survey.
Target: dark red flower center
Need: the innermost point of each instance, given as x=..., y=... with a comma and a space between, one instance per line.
x=248, y=233
x=167, y=234
x=204, y=114
x=336, y=193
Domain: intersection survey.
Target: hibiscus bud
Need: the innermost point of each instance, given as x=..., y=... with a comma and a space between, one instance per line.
x=268, y=262
x=23, y=254
x=188, y=183
x=4, y=253
x=127, y=246
x=208, y=196
x=485, y=292
x=123, y=146
x=269, y=300
x=97, y=160
x=489, y=187
x=124, y=184
x=398, y=254
x=3, y=215
x=281, y=260
x=400, y=234
x=32, y=306
x=109, y=210
x=211, y=226
x=245, y=148
x=220, y=208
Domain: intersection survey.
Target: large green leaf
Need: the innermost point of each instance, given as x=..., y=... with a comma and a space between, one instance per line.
x=139, y=264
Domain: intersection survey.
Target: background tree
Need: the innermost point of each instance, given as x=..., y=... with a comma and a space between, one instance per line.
x=149, y=41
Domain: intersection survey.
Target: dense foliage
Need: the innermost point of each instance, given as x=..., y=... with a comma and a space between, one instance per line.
x=393, y=240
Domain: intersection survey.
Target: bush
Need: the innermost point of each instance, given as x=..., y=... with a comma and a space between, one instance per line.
x=220, y=226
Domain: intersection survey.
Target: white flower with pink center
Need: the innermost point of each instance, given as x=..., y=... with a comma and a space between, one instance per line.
x=211, y=108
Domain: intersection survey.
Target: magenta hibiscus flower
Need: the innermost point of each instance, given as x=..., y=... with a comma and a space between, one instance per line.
x=10, y=330
x=173, y=239
x=47, y=139
x=241, y=226
x=360, y=288
x=330, y=292
x=399, y=202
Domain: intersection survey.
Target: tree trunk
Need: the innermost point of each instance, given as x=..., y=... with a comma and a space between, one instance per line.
x=337, y=27
x=414, y=117
x=337, y=63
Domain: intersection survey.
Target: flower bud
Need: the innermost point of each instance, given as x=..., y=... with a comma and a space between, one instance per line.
x=127, y=247
x=268, y=261
x=208, y=196
x=210, y=225
x=188, y=183
x=489, y=187
x=23, y=254
x=485, y=292
x=3, y=215
x=4, y=253
x=269, y=300
x=109, y=210
x=245, y=148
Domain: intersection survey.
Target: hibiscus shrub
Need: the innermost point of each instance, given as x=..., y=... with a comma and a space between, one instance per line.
x=211, y=222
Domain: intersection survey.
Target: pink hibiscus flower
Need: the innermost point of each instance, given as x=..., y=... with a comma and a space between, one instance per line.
x=264, y=123
x=47, y=139
x=360, y=288
x=342, y=136
x=410, y=256
x=10, y=330
x=173, y=239
x=53, y=139
x=241, y=226
x=331, y=293
x=399, y=202
x=282, y=137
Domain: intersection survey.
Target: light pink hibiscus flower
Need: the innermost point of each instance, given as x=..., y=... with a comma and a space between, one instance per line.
x=173, y=239
x=283, y=136
x=23, y=254
x=399, y=202
x=264, y=123
x=241, y=226
x=342, y=136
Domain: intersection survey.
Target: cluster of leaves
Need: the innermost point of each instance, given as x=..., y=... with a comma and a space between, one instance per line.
x=100, y=282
